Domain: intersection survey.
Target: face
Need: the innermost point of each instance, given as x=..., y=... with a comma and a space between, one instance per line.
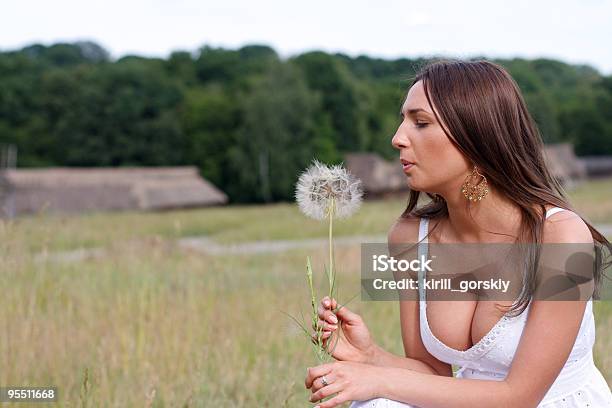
x=437, y=165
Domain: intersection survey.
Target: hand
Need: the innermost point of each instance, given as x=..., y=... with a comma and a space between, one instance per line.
x=354, y=342
x=350, y=381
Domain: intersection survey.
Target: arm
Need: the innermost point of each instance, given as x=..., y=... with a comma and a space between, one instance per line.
x=355, y=343
x=543, y=350
x=541, y=354
x=383, y=358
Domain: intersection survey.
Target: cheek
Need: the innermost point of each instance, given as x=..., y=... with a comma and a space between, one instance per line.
x=440, y=160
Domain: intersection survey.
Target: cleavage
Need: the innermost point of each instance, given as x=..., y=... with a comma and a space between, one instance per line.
x=461, y=324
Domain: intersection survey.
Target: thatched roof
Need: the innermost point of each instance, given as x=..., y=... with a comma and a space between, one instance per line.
x=598, y=166
x=84, y=189
x=377, y=175
x=563, y=163
x=380, y=177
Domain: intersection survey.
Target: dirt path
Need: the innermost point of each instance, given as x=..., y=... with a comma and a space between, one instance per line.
x=208, y=246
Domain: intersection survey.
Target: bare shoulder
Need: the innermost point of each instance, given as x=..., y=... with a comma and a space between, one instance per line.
x=566, y=227
x=404, y=230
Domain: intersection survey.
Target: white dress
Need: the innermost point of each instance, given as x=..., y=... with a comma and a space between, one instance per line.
x=579, y=384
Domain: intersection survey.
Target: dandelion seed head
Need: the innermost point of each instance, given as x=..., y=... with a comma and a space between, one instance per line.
x=324, y=190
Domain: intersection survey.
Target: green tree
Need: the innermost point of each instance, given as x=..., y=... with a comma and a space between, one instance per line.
x=275, y=140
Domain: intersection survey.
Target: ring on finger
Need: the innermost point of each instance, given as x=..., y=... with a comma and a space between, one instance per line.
x=324, y=381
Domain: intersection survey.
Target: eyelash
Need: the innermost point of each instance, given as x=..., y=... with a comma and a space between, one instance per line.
x=417, y=124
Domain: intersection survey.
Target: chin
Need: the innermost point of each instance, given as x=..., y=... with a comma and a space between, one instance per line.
x=414, y=184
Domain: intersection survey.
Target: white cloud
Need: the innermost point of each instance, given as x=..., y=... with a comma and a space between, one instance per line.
x=418, y=18
x=567, y=30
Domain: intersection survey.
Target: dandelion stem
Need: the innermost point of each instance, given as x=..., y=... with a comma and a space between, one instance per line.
x=326, y=192
x=331, y=249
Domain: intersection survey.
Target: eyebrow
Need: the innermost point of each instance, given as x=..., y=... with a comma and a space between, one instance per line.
x=414, y=111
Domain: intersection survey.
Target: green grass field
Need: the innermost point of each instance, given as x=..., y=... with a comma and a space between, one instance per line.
x=153, y=324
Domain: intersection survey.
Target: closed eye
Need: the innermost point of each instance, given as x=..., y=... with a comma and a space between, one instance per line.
x=417, y=124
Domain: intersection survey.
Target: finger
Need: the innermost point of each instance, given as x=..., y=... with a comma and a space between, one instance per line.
x=325, y=302
x=327, y=315
x=314, y=336
x=321, y=309
x=317, y=371
x=317, y=333
x=347, y=315
x=321, y=337
x=325, y=325
x=326, y=391
x=317, y=384
x=334, y=402
x=314, y=339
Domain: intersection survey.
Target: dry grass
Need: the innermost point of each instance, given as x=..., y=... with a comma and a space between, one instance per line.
x=594, y=199
x=153, y=325
x=199, y=331
x=224, y=224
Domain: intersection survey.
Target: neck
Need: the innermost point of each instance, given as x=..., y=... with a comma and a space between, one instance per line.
x=482, y=220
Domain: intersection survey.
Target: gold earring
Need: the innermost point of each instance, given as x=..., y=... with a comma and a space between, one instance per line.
x=475, y=191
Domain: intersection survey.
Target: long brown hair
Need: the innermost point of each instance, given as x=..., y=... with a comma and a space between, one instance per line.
x=488, y=121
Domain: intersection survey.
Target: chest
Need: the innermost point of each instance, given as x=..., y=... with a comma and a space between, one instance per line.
x=461, y=324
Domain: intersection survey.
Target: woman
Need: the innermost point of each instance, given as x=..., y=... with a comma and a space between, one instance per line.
x=467, y=140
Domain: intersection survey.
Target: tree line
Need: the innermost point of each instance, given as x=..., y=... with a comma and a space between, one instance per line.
x=248, y=119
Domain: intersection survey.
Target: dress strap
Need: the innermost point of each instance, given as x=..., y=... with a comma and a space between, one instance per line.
x=554, y=210
x=423, y=229
x=422, y=251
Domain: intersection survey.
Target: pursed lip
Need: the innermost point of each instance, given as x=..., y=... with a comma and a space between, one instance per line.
x=406, y=165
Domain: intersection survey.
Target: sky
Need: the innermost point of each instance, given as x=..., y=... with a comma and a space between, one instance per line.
x=576, y=32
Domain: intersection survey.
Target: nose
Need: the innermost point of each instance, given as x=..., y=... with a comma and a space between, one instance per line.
x=400, y=139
